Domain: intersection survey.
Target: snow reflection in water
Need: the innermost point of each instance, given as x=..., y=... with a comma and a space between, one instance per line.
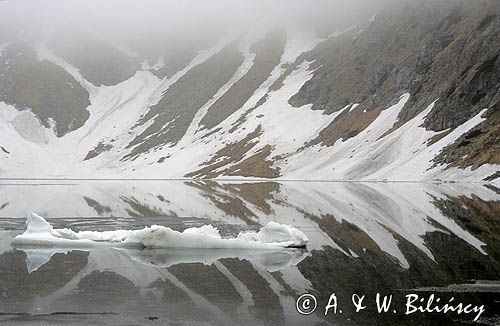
x=364, y=237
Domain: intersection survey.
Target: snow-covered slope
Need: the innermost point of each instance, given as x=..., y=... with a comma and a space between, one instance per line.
x=248, y=107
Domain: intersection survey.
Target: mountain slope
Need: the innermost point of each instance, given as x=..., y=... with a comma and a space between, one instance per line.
x=412, y=94
x=47, y=90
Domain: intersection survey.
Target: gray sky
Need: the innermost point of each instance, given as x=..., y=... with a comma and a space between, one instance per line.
x=154, y=28
x=130, y=18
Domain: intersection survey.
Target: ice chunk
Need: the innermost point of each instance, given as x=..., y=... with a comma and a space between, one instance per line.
x=272, y=236
x=37, y=224
x=275, y=232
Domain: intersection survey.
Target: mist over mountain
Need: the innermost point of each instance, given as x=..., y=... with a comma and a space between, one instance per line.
x=347, y=90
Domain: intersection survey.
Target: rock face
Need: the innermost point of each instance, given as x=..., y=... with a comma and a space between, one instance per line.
x=267, y=55
x=477, y=147
x=49, y=91
x=175, y=111
x=412, y=94
x=99, y=62
x=436, y=50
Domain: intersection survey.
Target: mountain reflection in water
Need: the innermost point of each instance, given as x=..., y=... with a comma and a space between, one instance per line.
x=364, y=238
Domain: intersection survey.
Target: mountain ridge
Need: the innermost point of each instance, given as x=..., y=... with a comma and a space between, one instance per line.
x=385, y=100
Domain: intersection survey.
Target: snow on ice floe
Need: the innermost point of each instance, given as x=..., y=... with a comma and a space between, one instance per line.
x=272, y=236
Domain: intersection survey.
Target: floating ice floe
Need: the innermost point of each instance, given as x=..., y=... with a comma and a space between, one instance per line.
x=272, y=236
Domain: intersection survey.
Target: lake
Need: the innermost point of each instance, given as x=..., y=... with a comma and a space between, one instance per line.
x=364, y=238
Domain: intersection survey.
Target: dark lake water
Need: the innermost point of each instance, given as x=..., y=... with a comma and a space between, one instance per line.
x=365, y=238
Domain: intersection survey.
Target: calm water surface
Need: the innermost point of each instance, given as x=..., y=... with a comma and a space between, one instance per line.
x=365, y=238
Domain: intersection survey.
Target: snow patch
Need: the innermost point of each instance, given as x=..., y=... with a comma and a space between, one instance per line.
x=160, y=63
x=3, y=46
x=29, y=127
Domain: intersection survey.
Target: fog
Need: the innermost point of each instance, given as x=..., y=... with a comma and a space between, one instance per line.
x=177, y=19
